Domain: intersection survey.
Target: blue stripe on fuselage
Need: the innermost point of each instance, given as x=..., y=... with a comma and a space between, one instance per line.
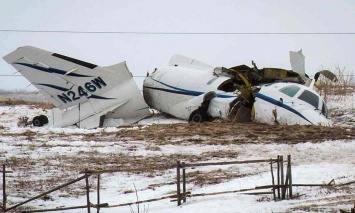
x=280, y=104
x=184, y=91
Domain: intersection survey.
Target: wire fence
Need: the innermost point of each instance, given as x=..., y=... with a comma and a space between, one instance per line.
x=143, y=76
x=281, y=186
x=172, y=33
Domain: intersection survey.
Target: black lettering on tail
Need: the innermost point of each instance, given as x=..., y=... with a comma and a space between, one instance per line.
x=64, y=98
x=98, y=82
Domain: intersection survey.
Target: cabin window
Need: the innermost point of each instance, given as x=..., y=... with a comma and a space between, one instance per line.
x=310, y=98
x=228, y=86
x=290, y=90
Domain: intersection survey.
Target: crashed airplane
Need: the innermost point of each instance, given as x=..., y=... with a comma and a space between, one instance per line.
x=91, y=96
x=191, y=90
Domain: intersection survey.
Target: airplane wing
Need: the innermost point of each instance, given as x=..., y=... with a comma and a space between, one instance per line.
x=180, y=60
x=68, y=82
x=326, y=73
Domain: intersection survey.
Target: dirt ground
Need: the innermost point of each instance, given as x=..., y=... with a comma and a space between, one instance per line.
x=61, y=166
x=221, y=132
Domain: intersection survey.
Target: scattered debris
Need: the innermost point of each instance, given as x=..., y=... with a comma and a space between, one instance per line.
x=23, y=122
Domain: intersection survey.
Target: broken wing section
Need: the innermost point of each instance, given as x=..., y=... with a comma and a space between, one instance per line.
x=66, y=81
x=183, y=61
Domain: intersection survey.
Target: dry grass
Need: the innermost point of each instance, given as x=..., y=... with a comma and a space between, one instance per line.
x=16, y=91
x=329, y=204
x=13, y=102
x=216, y=176
x=224, y=133
x=62, y=167
x=343, y=87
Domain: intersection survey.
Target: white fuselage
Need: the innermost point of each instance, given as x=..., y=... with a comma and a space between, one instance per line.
x=181, y=90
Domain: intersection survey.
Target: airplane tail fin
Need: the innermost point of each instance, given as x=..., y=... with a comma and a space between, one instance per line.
x=85, y=90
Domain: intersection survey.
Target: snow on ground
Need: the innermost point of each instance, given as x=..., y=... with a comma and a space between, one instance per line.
x=43, y=158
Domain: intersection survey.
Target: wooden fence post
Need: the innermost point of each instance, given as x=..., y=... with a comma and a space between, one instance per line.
x=87, y=190
x=273, y=181
x=287, y=182
x=4, y=187
x=184, y=181
x=278, y=177
x=282, y=176
x=178, y=183
x=290, y=175
x=98, y=193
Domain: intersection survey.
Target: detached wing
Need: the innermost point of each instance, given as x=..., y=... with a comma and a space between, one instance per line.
x=183, y=61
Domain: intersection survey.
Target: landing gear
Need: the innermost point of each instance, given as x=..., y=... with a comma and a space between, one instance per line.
x=40, y=120
x=198, y=116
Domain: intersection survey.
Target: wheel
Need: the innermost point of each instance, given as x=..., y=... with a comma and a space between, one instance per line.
x=37, y=121
x=198, y=116
x=44, y=119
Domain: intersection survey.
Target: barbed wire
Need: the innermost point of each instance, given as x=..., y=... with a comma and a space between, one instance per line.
x=175, y=33
x=137, y=76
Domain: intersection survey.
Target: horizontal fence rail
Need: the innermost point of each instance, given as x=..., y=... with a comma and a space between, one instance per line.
x=280, y=189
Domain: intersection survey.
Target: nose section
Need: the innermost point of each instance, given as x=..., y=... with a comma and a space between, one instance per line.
x=317, y=118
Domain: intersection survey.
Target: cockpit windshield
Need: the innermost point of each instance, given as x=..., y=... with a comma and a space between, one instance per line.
x=290, y=90
x=310, y=98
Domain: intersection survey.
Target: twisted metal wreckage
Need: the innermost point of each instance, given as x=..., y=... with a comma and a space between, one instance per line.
x=91, y=96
